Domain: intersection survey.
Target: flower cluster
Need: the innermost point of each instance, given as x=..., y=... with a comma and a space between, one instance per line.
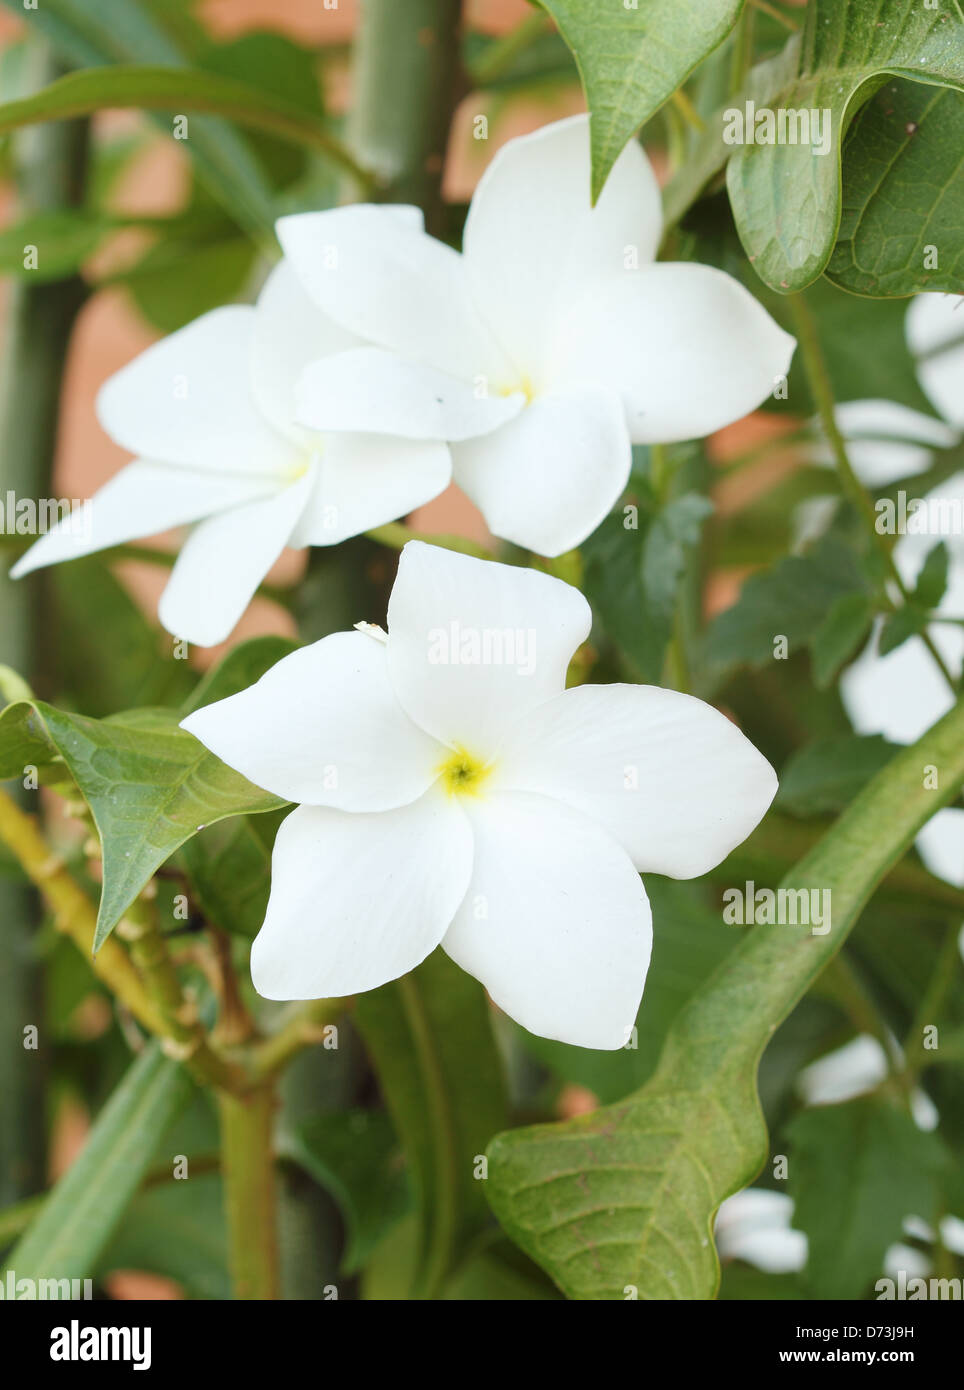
x=451, y=790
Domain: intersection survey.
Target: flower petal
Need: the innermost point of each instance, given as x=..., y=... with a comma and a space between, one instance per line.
x=473, y=645
x=223, y=561
x=189, y=400
x=548, y=478
x=533, y=239
x=323, y=727
x=689, y=349
x=555, y=923
x=669, y=777
x=359, y=899
x=384, y=279
x=934, y=328
x=141, y=500
x=369, y=389
x=885, y=440
x=290, y=331
x=366, y=480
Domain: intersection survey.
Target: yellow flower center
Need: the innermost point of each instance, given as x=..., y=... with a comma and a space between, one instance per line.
x=462, y=774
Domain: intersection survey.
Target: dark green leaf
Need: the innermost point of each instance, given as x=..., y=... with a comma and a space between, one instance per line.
x=906, y=622
x=932, y=579
x=902, y=225
x=63, y=240
x=856, y=1171
x=842, y=631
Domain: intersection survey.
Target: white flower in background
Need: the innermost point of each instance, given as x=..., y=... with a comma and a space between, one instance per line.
x=209, y=412
x=902, y=694
x=453, y=791
x=754, y=1225
x=544, y=350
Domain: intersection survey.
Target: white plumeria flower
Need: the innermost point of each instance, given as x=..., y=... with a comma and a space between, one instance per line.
x=209, y=411
x=902, y=694
x=544, y=350
x=453, y=791
x=755, y=1225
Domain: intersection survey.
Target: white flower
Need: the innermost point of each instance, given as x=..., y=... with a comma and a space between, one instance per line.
x=453, y=791
x=754, y=1225
x=902, y=694
x=209, y=412
x=546, y=348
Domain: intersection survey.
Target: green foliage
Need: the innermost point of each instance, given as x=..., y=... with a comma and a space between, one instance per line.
x=631, y=60
x=856, y=1171
x=431, y=1041
x=80, y=1216
x=903, y=194
x=786, y=198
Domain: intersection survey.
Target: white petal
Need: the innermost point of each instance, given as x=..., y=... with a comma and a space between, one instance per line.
x=290, y=332
x=189, y=400
x=223, y=561
x=358, y=899
x=688, y=347
x=941, y=845
x=366, y=480
x=369, y=389
x=754, y=1225
x=323, y=726
x=548, y=478
x=533, y=239
x=935, y=334
x=887, y=441
x=556, y=923
x=669, y=777
x=472, y=644
x=387, y=281
x=141, y=500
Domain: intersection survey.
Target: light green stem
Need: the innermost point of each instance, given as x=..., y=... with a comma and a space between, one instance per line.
x=247, y=1166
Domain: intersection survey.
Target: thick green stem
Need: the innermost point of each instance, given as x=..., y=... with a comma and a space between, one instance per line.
x=247, y=1166
x=406, y=80
x=35, y=334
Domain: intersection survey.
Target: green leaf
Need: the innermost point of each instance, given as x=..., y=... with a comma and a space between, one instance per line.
x=786, y=197
x=176, y=90
x=842, y=631
x=674, y=530
x=90, y=33
x=150, y=786
x=855, y=1172
x=431, y=1041
x=89, y=601
x=932, y=581
x=632, y=59
x=906, y=622
x=229, y=868
x=824, y=777
x=355, y=1156
x=903, y=194
x=176, y=281
x=624, y=1198
x=80, y=1216
x=64, y=239
x=176, y=1229
x=613, y=584
x=790, y=600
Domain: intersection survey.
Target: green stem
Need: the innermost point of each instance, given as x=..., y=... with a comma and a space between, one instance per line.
x=304, y=1027
x=819, y=380
x=39, y=319
x=406, y=80
x=247, y=1166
